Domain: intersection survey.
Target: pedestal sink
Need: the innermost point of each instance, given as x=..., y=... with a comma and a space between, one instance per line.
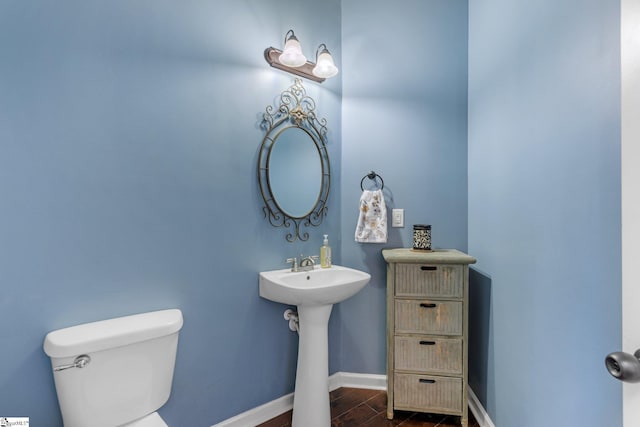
x=314, y=292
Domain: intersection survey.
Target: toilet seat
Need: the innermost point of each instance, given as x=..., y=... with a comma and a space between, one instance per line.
x=151, y=420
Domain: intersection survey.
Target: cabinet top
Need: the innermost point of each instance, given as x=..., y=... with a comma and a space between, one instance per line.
x=437, y=256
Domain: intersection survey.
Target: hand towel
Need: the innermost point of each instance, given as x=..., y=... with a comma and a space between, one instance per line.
x=372, y=221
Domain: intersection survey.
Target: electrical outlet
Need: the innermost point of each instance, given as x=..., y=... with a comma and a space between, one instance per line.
x=397, y=217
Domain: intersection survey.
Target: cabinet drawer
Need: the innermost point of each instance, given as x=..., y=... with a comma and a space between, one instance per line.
x=428, y=393
x=420, y=280
x=428, y=317
x=436, y=355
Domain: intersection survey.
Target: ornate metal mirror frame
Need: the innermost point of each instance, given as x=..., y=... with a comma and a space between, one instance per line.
x=296, y=110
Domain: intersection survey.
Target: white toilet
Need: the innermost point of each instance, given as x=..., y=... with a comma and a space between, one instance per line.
x=115, y=372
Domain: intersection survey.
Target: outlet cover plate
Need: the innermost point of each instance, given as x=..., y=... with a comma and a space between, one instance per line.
x=397, y=217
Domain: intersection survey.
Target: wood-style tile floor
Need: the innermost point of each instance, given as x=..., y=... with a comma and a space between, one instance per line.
x=354, y=407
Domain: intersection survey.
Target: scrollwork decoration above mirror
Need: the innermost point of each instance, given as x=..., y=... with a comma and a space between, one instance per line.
x=293, y=164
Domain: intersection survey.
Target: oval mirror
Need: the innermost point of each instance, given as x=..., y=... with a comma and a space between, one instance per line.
x=293, y=164
x=295, y=172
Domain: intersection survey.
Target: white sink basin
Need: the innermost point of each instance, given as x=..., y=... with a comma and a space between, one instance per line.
x=321, y=286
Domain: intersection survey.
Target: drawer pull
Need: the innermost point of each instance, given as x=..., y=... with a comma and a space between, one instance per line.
x=428, y=305
x=428, y=268
x=427, y=343
x=425, y=381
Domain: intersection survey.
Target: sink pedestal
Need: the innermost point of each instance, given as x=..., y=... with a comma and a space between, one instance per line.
x=311, y=406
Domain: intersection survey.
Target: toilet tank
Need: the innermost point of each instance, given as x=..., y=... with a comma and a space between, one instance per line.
x=130, y=371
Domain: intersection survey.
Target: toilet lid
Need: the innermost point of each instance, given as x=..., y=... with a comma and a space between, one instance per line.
x=151, y=420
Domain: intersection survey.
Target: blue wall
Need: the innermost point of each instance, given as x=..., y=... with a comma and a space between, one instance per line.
x=405, y=117
x=129, y=134
x=544, y=209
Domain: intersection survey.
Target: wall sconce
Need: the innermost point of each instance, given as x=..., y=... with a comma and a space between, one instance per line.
x=292, y=60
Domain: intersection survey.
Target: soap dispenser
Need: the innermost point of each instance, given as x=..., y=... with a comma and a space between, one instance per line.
x=325, y=253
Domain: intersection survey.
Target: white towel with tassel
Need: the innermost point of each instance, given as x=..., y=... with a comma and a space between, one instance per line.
x=372, y=221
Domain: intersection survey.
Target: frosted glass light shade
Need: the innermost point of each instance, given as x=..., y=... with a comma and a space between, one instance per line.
x=292, y=54
x=325, y=66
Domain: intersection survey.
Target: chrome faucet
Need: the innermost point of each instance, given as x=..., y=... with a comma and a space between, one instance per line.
x=307, y=263
x=294, y=264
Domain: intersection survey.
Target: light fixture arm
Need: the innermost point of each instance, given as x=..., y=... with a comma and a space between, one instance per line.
x=290, y=34
x=318, y=51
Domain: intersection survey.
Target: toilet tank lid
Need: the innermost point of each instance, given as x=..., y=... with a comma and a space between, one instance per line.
x=104, y=334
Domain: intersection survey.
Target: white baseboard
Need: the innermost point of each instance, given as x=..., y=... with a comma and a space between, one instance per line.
x=478, y=410
x=348, y=379
x=283, y=404
x=260, y=414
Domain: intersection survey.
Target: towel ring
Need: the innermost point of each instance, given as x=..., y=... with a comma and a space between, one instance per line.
x=372, y=176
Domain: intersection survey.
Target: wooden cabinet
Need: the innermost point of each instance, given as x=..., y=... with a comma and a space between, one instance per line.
x=427, y=331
